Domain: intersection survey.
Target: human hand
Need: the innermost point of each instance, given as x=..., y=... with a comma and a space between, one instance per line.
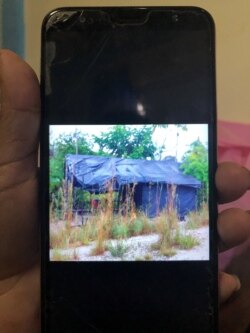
x=19, y=258
x=234, y=231
x=19, y=230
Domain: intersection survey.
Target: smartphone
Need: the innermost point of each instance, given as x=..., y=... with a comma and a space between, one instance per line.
x=128, y=157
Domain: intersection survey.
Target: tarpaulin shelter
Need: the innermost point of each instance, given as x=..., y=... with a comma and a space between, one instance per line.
x=153, y=180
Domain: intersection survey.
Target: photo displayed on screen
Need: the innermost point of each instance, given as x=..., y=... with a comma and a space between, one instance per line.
x=129, y=192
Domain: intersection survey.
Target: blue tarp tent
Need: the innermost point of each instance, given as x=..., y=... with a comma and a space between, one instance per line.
x=153, y=180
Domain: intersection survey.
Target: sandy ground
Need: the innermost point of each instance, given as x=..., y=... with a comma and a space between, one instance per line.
x=200, y=252
x=139, y=248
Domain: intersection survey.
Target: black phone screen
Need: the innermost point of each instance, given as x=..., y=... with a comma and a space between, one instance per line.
x=128, y=156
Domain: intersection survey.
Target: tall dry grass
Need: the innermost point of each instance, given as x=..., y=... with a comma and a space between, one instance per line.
x=199, y=218
x=59, y=239
x=171, y=237
x=104, y=225
x=166, y=225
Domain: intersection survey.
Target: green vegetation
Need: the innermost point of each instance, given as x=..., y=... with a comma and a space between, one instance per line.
x=119, y=231
x=109, y=233
x=80, y=236
x=171, y=238
x=75, y=143
x=166, y=229
x=195, y=163
x=185, y=241
x=124, y=227
x=124, y=141
x=136, y=227
x=117, y=248
x=198, y=219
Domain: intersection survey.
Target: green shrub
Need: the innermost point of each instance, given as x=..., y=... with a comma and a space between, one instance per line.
x=119, y=231
x=136, y=227
x=117, y=249
x=185, y=242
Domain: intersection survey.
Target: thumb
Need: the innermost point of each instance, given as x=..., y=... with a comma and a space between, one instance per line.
x=19, y=127
x=19, y=109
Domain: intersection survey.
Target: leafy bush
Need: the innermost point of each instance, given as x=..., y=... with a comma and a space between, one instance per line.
x=119, y=231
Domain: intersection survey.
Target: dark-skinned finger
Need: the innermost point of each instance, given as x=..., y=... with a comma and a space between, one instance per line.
x=19, y=132
x=233, y=227
x=19, y=109
x=232, y=181
x=235, y=313
x=228, y=285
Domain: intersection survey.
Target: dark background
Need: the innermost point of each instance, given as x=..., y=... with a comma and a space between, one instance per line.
x=96, y=67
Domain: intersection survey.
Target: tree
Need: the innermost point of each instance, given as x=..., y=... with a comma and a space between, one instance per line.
x=75, y=143
x=127, y=142
x=195, y=163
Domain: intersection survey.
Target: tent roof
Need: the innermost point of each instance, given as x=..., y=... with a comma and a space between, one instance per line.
x=93, y=172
